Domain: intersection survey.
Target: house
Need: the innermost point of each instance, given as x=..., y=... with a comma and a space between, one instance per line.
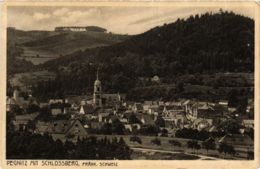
x=232, y=109
x=147, y=105
x=66, y=129
x=138, y=108
x=223, y=103
x=153, y=109
x=237, y=139
x=43, y=104
x=202, y=124
x=248, y=123
x=172, y=109
x=56, y=111
x=16, y=100
x=55, y=101
x=187, y=105
x=102, y=116
x=96, y=124
x=131, y=127
x=112, y=99
x=10, y=103
x=147, y=119
x=110, y=118
x=41, y=127
x=22, y=120
x=203, y=110
x=169, y=123
x=213, y=129
x=86, y=109
x=75, y=106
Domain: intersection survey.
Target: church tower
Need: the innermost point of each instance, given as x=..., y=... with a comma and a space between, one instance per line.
x=97, y=99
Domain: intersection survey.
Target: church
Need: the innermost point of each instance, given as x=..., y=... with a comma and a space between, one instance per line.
x=102, y=100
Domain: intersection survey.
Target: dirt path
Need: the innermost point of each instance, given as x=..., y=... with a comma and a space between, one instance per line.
x=202, y=157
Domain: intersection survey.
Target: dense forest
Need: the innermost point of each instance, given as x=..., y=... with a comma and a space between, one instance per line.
x=26, y=145
x=222, y=41
x=201, y=44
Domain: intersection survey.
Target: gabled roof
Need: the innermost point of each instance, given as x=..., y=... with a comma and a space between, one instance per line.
x=88, y=109
x=148, y=119
x=61, y=126
x=186, y=102
x=41, y=126
x=174, y=107
x=26, y=117
x=148, y=102
x=248, y=121
x=10, y=101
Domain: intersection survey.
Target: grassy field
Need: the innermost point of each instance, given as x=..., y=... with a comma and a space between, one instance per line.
x=138, y=155
x=166, y=146
x=30, y=78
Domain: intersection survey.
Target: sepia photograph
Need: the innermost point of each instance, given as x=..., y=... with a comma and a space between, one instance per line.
x=130, y=83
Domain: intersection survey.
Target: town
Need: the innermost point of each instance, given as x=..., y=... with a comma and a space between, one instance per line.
x=130, y=83
x=213, y=129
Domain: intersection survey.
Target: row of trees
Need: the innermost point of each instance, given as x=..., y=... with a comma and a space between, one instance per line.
x=190, y=133
x=25, y=145
x=208, y=144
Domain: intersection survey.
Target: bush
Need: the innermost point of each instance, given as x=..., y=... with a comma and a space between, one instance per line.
x=156, y=141
x=175, y=143
x=136, y=139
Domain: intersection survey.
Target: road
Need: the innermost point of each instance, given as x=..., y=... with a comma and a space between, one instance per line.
x=202, y=157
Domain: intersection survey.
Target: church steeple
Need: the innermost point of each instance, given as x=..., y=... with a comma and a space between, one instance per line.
x=97, y=74
x=97, y=99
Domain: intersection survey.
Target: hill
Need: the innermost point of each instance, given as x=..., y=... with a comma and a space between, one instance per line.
x=209, y=43
x=69, y=42
x=25, y=49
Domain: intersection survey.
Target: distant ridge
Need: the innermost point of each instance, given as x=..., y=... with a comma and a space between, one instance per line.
x=80, y=28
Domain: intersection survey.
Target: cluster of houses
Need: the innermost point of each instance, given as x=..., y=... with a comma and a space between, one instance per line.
x=93, y=112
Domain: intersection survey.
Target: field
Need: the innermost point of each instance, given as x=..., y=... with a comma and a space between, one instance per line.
x=27, y=79
x=147, y=150
x=53, y=45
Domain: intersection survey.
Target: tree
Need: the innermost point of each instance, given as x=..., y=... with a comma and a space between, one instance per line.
x=156, y=141
x=193, y=145
x=230, y=126
x=133, y=119
x=44, y=114
x=175, y=143
x=106, y=128
x=30, y=125
x=226, y=149
x=180, y=87
x=209, y=144
x=197, y=147
x=164, y=133
x=136, y=139
x=32, y=108
x=117, y=127
x=160, y=122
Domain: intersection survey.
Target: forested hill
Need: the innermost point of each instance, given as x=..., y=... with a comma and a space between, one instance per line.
x=223, y=41
x=210, y=43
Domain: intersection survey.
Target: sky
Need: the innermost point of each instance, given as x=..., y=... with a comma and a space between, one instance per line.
x=121, y=20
